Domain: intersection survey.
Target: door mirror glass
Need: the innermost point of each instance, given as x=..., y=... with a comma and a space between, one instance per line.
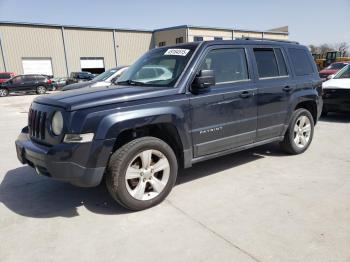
x=203, y=81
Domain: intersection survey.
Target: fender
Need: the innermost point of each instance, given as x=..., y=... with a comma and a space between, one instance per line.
x=298, y=97
x=113, y=124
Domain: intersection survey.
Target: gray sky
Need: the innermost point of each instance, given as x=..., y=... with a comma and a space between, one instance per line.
x=310, y=22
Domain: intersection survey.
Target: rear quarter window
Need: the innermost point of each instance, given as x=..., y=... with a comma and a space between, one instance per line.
x=301, y=62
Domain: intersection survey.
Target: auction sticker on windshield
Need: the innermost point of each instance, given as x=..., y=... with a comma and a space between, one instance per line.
x=180, y=52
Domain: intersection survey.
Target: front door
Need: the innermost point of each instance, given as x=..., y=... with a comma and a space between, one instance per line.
x=226, y=116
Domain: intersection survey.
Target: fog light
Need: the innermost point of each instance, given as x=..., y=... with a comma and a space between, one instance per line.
x=78, y=138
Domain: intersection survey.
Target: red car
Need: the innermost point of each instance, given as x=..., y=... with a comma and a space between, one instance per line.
x=4, y=76
x=332, y=69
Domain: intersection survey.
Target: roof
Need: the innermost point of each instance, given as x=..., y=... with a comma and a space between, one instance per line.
x=273, y=31
x=73, y=26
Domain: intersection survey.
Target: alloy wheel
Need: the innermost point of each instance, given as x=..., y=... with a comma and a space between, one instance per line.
x=302, y=131
x=147, y=175
x=3, y=92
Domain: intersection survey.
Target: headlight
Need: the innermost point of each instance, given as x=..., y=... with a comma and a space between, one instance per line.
x=57, y=123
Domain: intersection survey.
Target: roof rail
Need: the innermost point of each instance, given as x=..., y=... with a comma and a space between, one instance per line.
x=267, y=39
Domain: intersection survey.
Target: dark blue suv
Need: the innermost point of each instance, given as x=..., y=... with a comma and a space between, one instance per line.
x=174, y=107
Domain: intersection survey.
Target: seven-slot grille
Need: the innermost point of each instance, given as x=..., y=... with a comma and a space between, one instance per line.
x=36, y=123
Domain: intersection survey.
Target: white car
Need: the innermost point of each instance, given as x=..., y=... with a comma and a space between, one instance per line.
x=105, y=79
x=336, y=92
x=153, y=73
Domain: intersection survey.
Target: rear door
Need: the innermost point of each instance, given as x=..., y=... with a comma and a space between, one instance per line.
x=226, y=116
x=275, y=85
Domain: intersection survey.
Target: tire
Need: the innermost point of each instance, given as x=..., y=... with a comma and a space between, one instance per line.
x=40, y=90
x=297, y=139
x=4, y=92
x=134, y=189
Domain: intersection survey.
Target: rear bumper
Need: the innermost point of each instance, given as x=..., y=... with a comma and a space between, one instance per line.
x=79, y=164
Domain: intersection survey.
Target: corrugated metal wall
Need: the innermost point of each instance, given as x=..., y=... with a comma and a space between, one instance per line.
x=44, y=41
x=20, y=41
x=169, y=36
x=88, y=43
x=239, y=34
x=209, y=34
x=131, y=45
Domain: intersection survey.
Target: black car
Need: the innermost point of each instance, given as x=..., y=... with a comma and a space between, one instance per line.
x=26, y=83
x=211, y=99
x=76, y=77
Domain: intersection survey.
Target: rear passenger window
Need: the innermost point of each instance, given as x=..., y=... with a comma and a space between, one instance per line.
x=301, y=62
x=266, y=62
x=229, y=65
x=281, y=63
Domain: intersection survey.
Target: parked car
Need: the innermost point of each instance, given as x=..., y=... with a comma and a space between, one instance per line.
x=77, y=77
x=26, y=83
x=105, y=79
x=332, y=69
x=59, y=82
x=222, y=97
x=336, y=92
x=4, y=76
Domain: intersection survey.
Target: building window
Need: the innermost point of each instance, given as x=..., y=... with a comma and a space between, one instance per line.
x=179, y=40
x=218, y=38
x=162, y=44
x=198, y=38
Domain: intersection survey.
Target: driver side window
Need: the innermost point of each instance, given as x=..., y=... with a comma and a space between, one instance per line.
x=229, y=65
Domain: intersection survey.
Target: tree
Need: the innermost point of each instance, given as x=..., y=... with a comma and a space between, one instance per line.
x=342, y=47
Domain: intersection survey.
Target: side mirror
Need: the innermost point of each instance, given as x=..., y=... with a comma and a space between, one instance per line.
x=203, y=81
x=114, y=79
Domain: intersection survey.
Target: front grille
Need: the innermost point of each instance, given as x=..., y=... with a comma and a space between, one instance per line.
x=36, y=123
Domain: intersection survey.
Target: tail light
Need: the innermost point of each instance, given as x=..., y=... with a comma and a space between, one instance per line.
x=49, y=81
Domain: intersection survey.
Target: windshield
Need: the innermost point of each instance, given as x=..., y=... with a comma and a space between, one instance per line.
x=159, y=67
x=336, y=66
x=105, y=75
x=344, y=73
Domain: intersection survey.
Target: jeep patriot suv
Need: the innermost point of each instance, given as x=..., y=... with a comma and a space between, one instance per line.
x=216, y=98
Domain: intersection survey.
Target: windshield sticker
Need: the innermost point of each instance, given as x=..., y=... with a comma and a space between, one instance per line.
x=180, y=52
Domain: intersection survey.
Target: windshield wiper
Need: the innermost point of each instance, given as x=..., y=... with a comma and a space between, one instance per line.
x=131, y=83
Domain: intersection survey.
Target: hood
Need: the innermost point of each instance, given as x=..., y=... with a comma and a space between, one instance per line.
x=341, y=83
x=97, y=96
x=329, y=71
x=77, y=85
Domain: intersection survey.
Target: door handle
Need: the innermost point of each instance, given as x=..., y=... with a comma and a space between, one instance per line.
x=287, y=88
x=245, y=94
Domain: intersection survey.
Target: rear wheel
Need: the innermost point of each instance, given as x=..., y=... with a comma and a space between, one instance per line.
x=300, y=132
x=40, y=90
x=3, y=92
x=142, y=173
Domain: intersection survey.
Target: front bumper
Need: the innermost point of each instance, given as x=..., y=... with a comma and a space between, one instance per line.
x=79, y=164
x=336, y=100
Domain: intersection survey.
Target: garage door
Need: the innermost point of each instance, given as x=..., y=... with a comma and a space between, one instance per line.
x=37, y=66
x=93, y=65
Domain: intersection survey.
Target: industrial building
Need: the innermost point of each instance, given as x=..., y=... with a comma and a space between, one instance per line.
x=59, y=50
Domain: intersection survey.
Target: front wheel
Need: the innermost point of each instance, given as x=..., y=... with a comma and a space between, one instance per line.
x=40, y=90
x=142, y=173
x=300, y=132
x=3, y=92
